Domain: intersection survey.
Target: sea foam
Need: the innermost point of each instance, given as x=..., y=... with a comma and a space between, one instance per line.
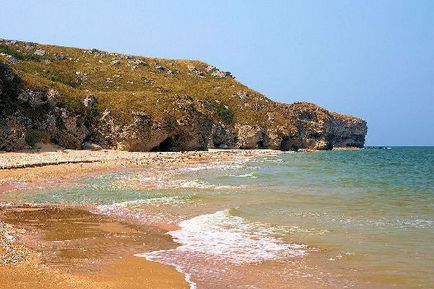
x=209, y=241
x=136, y=211
x=230, y=239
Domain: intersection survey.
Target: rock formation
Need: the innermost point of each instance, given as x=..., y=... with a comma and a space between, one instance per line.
x=92, y=99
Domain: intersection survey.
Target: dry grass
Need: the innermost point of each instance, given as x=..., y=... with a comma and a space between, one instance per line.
x=125, y=84
x=161, y=88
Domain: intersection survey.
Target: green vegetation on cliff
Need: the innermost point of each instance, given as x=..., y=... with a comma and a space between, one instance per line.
x=125, y=83
x=171, y=93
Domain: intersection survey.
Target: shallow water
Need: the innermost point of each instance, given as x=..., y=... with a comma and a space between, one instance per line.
x=332, y=219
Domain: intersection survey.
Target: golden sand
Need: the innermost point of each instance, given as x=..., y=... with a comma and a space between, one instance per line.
x=130, y=273
x=72, y=248
x=67, y=247
x=36, y=169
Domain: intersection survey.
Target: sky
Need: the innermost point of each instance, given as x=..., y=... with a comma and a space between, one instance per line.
x=369, y=58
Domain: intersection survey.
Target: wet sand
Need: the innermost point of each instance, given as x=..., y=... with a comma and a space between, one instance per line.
x=131, y=273
x=72, y=248
x=24, y=170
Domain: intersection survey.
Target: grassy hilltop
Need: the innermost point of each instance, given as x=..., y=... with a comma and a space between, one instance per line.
x=127, y=86
x=126, y=83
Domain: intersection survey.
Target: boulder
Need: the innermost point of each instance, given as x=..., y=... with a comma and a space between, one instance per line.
x=10, y=58
x=217, y=73
x=39, y=52
x=90, y=101
x=115, y=62
x=194, y=71
x=59, y=57
x=90, y=146
x=164, y=69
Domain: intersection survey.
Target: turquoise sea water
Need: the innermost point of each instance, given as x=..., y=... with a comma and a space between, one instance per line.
x=356, y=219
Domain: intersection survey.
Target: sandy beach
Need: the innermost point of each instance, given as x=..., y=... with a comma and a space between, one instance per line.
x=48, y=247
x=70, y=247
x=216, y=219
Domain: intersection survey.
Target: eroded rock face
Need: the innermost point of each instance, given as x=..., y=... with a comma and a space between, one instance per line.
x=12, y=134
x=251, y=137
x=347, y=131
x=312, y=125
x=222, y=137
x=9, y=88
x=66, y=128
x=192, y=126
x=24, y=110
x=190, y=132
x=319, y=129
x=90, y=101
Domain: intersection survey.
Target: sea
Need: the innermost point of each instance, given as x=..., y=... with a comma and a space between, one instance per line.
x=327, y=219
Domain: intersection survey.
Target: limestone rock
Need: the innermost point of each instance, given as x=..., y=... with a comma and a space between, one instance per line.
x=33, y=97
x=251, y=137
x=115, y=62
x=347, y=131
x=90, y=101
x=223, y=114
x=10, y=58
x=40, y=52
x=217, y=73
x=69, y=131
x=90, y=146
x=12, y=134
x=164, y=69
x=222, y=137
x=59, y=57
x=194, y=71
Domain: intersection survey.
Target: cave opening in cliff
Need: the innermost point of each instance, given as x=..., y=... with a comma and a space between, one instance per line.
x=167, y=145
x=261, y=144
x=288, y=144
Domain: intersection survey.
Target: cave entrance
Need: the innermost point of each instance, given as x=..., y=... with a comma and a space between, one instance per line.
x=288, y=144
x=167, y=145
x=261, y=144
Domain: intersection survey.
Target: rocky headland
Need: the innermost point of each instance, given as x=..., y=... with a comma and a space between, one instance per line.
x=91, y=99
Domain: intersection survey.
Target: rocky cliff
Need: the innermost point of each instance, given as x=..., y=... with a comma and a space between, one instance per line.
x=94, y=99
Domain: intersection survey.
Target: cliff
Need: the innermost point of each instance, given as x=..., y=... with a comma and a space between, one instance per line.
x=94, y=99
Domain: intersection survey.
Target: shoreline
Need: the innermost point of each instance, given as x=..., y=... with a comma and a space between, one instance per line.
x=161, y=171
x=23, y=170
x=49, y=245
x=29, y=159
x=31, y=170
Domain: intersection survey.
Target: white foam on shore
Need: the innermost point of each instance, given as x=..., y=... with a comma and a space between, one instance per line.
x=180, y=269
x=230, y=239
x=194, y=184
x=221, y=167
x=131, y=210
x=222, y=238
x=6, y=205
x=248, y=175
x=202, y=185
x=165, y=200
x=165, y=183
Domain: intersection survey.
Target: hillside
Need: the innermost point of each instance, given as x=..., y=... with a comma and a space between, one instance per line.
x=81, y=98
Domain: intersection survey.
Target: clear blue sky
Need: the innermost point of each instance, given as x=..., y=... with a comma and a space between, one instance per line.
x=374, y=59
